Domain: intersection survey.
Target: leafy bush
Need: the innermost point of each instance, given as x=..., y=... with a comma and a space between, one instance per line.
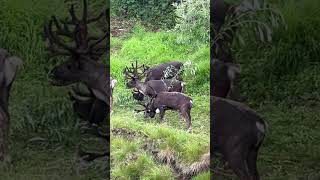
x=159, y=13
x=193, y=21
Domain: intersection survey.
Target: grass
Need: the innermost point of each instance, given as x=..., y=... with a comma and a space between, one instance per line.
x=281, y=81
x=44, y=132
x=130, y=157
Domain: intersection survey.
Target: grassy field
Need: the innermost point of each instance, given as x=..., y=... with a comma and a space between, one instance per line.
x=134, y=137
x=44, y=132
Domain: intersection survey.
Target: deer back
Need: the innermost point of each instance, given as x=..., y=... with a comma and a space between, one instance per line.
x=172, y=100
x=233, y=119
x=157, y=72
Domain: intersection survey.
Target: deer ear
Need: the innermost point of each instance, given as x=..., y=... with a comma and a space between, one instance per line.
x=11, y=65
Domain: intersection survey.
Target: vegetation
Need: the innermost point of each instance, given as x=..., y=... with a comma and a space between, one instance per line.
x=132, y=147
x=44, y=131
x=157, y=13
x=280, y=80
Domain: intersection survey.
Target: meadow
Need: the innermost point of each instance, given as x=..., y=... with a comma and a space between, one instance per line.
x=44, y=132
x=134, y=137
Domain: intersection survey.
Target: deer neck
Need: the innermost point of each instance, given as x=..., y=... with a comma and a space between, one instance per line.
x=141, y=87
x=97, y=81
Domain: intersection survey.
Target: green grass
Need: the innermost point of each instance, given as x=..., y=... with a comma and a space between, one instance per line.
x=129, y=158
x=281, y=81
x=38, y=110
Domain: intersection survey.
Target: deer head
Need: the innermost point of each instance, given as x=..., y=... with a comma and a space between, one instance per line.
x=134, y=74
x=8, y=69
x=84, y=51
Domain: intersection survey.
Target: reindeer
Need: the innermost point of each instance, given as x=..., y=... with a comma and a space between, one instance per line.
x=158, y=72
x=82, y=65
x=8, y=70
x=176, y=101
x=151, y=87
x=224, y=78
x=238, y=133
x=71, y=38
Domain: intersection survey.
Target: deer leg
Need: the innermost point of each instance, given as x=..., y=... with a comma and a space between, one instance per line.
x=185, y=112
x=237, y=160
x=4, y=135
x=252, y=164
x=161, y=113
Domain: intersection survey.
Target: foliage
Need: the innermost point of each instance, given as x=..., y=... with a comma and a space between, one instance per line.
x=159, y=13
x=193, y=21
x=247, y=22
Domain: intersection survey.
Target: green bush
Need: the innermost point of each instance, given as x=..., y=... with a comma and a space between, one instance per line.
x=159, y=13
x=193, y=22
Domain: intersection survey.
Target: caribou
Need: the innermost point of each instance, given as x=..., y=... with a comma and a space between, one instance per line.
x=238, y=133
x=176, y=101
x=71, y=38
x=82, y=65
x=151, y=87
x=8, y=70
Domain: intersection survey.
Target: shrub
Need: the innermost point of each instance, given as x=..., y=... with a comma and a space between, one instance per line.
x=193, y=21
x=159, y=13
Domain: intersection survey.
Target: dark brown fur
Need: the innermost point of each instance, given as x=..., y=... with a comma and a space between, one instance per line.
x=171, y=101
x=238, y=133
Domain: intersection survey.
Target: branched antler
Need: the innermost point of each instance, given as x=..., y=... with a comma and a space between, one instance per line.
x=135, y=71
x=72, y=38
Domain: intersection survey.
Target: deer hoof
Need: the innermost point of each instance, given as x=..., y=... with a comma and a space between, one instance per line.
x=189, y=130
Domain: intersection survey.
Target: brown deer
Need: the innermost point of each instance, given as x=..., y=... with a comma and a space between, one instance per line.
x=71, y=38
x=84, y=53
x=176, y=101
x=8, y=70
x=238, y=133
x=151, y=87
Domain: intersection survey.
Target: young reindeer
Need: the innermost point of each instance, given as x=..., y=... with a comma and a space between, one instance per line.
x=238, y=133
x=176, y=101
x=8, y=70
x=151, y=87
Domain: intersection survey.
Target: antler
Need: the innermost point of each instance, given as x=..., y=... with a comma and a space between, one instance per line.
x=76, y=30
x=135, y=72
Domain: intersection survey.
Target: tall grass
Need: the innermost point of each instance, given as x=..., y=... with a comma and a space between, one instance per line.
x=286, y=67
